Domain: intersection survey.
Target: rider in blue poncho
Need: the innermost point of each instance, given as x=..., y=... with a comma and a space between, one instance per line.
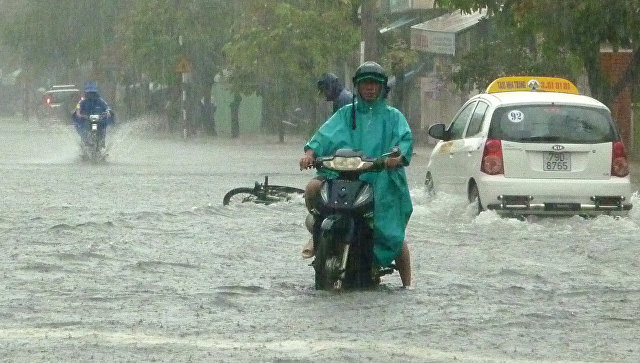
x=92, y=103
x=372, y=126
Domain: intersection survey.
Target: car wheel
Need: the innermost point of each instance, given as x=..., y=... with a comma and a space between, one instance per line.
x=474, y=198
x=428, y=184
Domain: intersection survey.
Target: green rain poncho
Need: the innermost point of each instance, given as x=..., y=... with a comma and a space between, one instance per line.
x=379, y=127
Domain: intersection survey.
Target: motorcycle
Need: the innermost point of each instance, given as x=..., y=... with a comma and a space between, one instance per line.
x=93, y=145
x=342, y=223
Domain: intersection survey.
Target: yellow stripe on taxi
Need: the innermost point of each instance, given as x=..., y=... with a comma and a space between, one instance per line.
x=528, y=83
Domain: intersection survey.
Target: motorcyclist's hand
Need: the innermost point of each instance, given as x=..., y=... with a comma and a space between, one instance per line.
x=306, y=161
x=393, y=162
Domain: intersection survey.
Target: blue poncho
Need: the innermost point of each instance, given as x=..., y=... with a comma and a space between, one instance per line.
x=379, y=127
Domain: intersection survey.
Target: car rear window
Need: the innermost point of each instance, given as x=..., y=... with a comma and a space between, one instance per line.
x=552, y=123
x=62, y=96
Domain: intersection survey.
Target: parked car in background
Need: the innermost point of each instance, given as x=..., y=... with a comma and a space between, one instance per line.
x=532, y=146
x=58, y=103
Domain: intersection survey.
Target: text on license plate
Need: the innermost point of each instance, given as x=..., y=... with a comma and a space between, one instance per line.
x=556, y=161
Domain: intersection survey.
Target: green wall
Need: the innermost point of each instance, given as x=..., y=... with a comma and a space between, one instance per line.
x=250, y=116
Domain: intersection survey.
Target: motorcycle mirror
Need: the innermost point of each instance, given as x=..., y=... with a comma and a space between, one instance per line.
x=395, y=151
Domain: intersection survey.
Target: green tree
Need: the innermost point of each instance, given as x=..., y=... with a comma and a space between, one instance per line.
x=551, y=36
x=54, y=40
x=158, y=34
x=279, y=48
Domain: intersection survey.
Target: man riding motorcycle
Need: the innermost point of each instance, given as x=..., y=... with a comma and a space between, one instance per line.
x=90, y=104
x=329, y=85
x=372, y=126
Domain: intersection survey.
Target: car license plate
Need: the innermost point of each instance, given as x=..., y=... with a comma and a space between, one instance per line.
x=556, y=161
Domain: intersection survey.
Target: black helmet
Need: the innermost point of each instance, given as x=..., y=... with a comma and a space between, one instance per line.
x=327, y=81
x=370, y=70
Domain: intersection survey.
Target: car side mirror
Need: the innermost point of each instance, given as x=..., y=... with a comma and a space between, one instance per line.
x=439, y=132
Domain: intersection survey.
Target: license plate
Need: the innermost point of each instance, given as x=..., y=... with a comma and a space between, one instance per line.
x=556, y=161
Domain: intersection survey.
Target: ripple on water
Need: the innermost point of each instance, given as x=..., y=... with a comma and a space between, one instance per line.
x=41, y=267
x=83, y=225
x=154, y=265
x=240, y=289
x=61, y=227
x=82, y=256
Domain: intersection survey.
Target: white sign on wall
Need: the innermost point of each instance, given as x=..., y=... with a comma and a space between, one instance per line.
x=433, y=42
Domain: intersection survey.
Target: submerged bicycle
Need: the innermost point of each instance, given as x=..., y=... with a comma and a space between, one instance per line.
x=261, y=194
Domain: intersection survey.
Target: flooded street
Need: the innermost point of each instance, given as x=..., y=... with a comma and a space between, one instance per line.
x=138, y=260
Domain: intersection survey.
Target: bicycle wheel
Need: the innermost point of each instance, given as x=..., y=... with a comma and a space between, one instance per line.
x=240, y=195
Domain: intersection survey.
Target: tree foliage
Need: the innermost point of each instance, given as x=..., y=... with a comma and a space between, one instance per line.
x=286, y=44
x=157, y=34
x=278, y=49
x=274, y=48
x=35, y=29
x=558, y=37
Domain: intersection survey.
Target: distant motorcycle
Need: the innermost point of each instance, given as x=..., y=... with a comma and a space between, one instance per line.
x=93, y=142
x=342, y=227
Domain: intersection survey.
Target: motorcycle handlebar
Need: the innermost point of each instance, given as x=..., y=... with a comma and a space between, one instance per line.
x=378, y=163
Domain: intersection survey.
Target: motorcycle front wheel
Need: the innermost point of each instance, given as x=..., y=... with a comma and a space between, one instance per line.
x=359, y=272
x=94, y=146
x=320, y=264
x=327, y=266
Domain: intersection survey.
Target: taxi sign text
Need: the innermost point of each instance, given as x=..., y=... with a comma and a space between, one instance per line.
x=527, y=83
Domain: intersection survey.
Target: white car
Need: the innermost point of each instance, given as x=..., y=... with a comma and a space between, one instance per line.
x=532, y=146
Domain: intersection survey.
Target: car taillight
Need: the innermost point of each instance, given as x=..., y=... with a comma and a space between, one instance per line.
x=619, y=163
x=492, y=157
x=48, y=100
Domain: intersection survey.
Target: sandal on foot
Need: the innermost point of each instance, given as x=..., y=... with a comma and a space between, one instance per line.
x=307, y=250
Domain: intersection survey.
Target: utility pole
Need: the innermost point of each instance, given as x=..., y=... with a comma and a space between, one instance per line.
x=184, y=68
x=369, y=29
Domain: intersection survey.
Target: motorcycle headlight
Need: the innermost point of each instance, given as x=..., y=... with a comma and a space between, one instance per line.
x=347, y=163
x=363, y=196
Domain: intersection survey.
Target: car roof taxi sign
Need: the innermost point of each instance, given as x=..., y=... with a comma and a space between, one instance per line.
x=528, y=83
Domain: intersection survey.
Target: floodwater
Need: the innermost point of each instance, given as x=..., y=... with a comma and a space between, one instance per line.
x=137, y=260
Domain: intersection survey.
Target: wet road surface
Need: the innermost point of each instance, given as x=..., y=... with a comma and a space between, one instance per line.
x=137, y=260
